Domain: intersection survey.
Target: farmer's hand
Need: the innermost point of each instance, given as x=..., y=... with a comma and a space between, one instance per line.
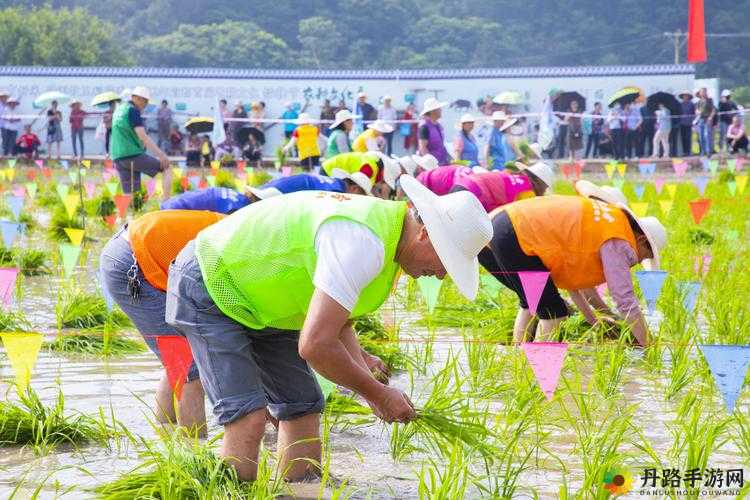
x=377, y=367
x=163, y=162
x=392, y=405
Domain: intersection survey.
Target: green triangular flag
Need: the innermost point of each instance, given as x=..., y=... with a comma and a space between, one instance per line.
x=62, y=191
x=73, y=176
x=69, y=254
x=732, y=185
x=430, y=288
x=618, y=182
x=112, y=187
x=713, y=166
x=490, y=284
x=211, y=179
x=31, y=189
x=11, y=162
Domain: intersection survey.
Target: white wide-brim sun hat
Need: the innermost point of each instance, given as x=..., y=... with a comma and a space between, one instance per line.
x=607, y=194
x=467, y=118
x=264, y=193
x=391, y=171
x=655, y=232
x=540, y=170
x=381, y=127
x=141, y=91
x=358, y=178
x=341, y=117
x=427, y=162
x=431, y=104
x=458, y=227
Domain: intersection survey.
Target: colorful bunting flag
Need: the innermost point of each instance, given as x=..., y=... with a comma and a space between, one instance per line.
x=122, y=201
x=622, y=168
x=112, y=187
x=22, y=350
x=610, y=168
x=211, y=180
x=647, y=168
x=90, y=189
x=651, y=283
x=533, y=283
x=680, y=167
x=639, y=190
x=699, y=208
x=11, y=162
x=8, y=276
x=19, y=191
x=75, y=235
x=15, y=203
x=62, y=191
x=546, y=360
x=10, y=173
x=39, y=163
x=566, y=169
x=177, y=172
x=69, y=255
x=86, y=163
x=31, y=188
x=10, y=231
x=429, y=287
x=184, y=183
x=177, y=358
x=741, y=181
x=658, y=184
x=702, y=264
x=728, y=365
x=639, y=208
x=689, y=291
x=71, y=203
x=732, y=186
x=666, y=206
x=286, y=171
x=701, y=182
x=671, y=190
x=713, y=166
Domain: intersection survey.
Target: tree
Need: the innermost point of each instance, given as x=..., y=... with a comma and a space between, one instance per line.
x=319, y=40
x=57, y=37
x=229, y=44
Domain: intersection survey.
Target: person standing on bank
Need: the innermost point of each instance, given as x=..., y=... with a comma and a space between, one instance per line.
x=54, y=129
x=431, y=135
x=338, y=140
x=267, y=295
x=77, y=115
x=388, y=115
x=727, y=110
x=465, y=145
x=687, y=116
x=130, y=142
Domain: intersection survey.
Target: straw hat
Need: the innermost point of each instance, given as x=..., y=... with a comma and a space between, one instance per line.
x=381, y=126
x=341, y=116
x=358, y=178
x=655, y=232
x=458, y=228
x=431, y=104
x=426, y=162
x=303, y=119
x=361, y=95
x=467, y=118
x=141, y=91
x=266, y=193
x=540, y=170
x=607, y=194
x=13, y=100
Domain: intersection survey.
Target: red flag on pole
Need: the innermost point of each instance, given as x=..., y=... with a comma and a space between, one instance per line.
x=696, y=49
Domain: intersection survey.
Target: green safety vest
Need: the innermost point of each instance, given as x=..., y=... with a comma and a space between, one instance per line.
x=332, y=147
x=124, y=141
x=258, y=264
x=352, y=162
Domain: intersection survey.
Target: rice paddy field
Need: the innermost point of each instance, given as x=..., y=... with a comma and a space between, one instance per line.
x=620, y=419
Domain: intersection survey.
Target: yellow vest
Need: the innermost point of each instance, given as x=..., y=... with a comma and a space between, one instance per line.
x=307, y=141
x=360, y=143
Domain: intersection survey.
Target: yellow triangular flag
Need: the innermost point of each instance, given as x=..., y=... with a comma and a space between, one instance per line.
x=622, y=168
x=177, y=172
x=639, y=208
x=2, y=174
x=75, y=235
x=241, y=184
x=666, y=206
x=215, y=165
x=672, y=190
x=610, y=169
x=741, y=181
x=22, y=350
x=10, y=173
x=71, y=203
x=86, y=163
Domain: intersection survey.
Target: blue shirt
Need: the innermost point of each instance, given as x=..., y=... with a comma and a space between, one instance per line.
x=500, y=150
x=215, y=199
x=306, y=182
x=290, y=114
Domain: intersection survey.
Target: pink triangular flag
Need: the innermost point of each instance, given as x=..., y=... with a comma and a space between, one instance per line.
x=19, y=191
x=702, y=264
x=8, y=277
x=286, y=171
x=659, y=184
x=546, y=360
x=680, y=167
x=177, y=358
x=151, y=187
x=90, y=189
x=533, y=283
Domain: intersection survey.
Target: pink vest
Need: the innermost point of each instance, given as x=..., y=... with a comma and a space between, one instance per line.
x=497, y=188
x=442, y=179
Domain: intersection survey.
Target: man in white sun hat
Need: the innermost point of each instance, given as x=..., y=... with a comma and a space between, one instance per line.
x=372, y=138
x=267, y=295
x=431, y=134
x=583, y=242
x=338, y=139
x=130, y=141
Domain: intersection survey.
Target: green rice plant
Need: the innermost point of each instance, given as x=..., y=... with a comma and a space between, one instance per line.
x=225, y=178
x=96, y=344
x=46, y=196
x=103, y=206
x=178, y=468
x=60, y=220
x=30, y=422
x=79, y=309
x=345, y=412
x=13, y=321
x=258, y=177
x=683, y=369
x=609, y=366
x=31, y=261
x=449, y=481
x=379, y=341
x=740, y=423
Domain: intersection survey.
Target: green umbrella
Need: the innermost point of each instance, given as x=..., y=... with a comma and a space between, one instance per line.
x=104, y=98
x=624, y=96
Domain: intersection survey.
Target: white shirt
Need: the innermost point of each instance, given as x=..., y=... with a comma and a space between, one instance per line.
x=388, y=114
x=350, y=256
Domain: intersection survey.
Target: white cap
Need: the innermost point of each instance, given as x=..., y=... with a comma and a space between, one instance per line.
x=655, y=232
x=4, y=93
x=141, y=91
x=361, y=94
x=543, y=172
x=381, y=127
x=387, y=98
x=467, y=118
x=499, y=116
x=607, y=194
x=458, y=227
x=358, y=178
x=12, y=99
x=726, y=93
x=341, y=116
x=303, y=119
x=431, y=104
x=392, y=170
x=427, y=162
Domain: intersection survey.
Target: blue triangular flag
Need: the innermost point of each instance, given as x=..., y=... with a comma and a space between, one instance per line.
x=651, y=283
x=689, y=291
x=194, y=181
x=647, y=168
x=705, y=162
x=16, y=204
x=108, y=300
x=64, y=163
x=182, y=163
x=10, y=231
x=639, y=189
x=728, y=364
x=701, y=182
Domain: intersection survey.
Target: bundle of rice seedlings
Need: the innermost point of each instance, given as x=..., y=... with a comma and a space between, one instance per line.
x=345, y=411
x=176, y=468
x=83, y=310
x=226, y=179
x=378, y=341
x=31, y=262
x=30, y=422
x=100, y=344
x=60, y=220
x=13, y=321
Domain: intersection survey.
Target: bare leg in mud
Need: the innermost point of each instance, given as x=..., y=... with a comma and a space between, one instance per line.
x=191, y=411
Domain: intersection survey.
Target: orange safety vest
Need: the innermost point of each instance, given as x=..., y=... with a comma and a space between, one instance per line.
x=566, y=233
x=157, y=237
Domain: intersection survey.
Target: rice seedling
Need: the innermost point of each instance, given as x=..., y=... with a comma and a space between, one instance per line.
x=31, y=261
x=224, y=178
x=740, y=423
x=379, y=341
x=13, y=321
x=451, y=481
x=60, y=220
x=345, y=412
x=79, y=309
x=31, y=423
x=178, y=468
x=609, y=366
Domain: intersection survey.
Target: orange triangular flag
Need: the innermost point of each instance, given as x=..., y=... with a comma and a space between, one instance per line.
x=177, y=358
x=699, y=208
x=122, y=201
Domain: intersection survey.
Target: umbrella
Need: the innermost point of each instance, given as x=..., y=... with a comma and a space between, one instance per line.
x=245, y=132
x=668, y=100
x=105, y=98
x=562, y=103
x=624, y=96
x=46, y=99
x=199, y=125
x=509, y=97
